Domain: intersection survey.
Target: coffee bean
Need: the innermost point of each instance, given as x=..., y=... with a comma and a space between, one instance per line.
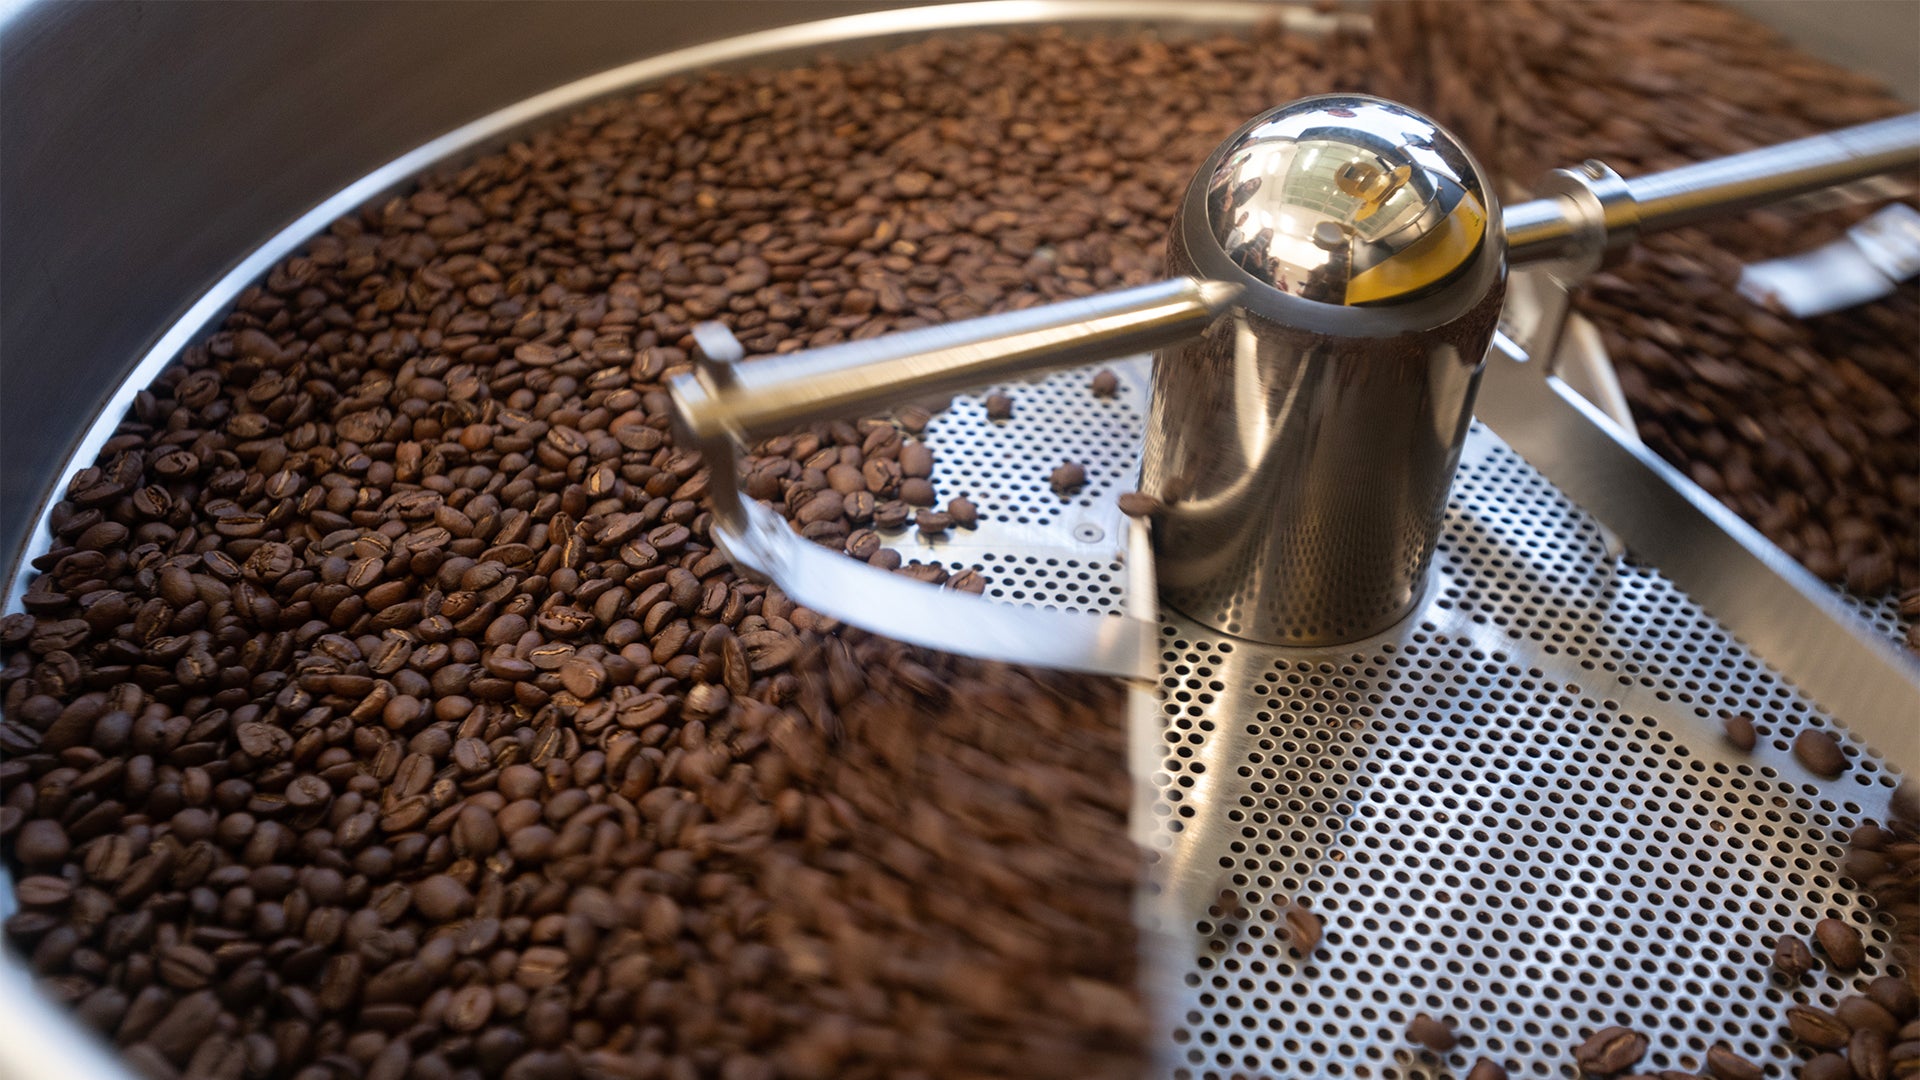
x=1841, y=942
x=1105, y=383
x=914, y=492
x=1820, y=752
x=1304, y=929
x=541, y=966
x=916, y=460
x=1863, y=1013
x=1867, y=1053
x=1486, y=1070
x=915, y=418
x=442, y=899
x=1791, y=957
x=1135, y=504
x=1904, y=1059
x=1740, y=733
x=185, y=967
x=43, y=890
x=308, y=792
x=1723, y=1063
x=963, y=512
x=1826, y=1067
x=1068, y=477
x=41, y=843
x=1904, y=806
x=469, y=1009
x=999, y=407
x=1610, y=1050
x=1895, y=996
x=1817, y=1027
x=1435, y=1035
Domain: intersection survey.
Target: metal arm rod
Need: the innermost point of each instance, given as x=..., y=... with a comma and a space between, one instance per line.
x=1544, y=228
x=778, y=393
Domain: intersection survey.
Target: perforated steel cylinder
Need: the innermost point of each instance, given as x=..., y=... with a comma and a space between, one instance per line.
x=1302, y=448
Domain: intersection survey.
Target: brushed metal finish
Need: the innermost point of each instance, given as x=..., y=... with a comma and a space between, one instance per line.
x=1301, y=450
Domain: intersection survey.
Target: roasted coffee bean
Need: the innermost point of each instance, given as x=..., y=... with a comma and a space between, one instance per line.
x=915, y=418
x=1723, y=1063
x=1105, y=383
x=999, y=407
x=1867, y=1053
x=916, y=460
x=1817, y=1027
x=1895, y=996
x=1068, y=477
x=914, y=492
x=1304, y=929
x=1820, y=752
x=1860, y=1013
x=1791, y=957
x=442, y=899
x=1740, y=733
x=1487, y=1070
x=963, y=512
x=1135, y=504
x=1904, y=1059
x=1841, y=942
x=1435, y=1035
x=41, y=843
x=1826, y=1067
x=1610, y=1050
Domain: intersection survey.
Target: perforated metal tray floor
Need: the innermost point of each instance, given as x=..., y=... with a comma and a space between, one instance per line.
x=1514, y=811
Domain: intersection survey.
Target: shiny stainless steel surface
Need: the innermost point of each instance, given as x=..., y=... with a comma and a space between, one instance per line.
x=1544, y=228
x=1759, y=592
x=725, y=400
x=778, y=393
x=1346, y=200
x=887, y=603
x=1514, y=811
x=1301, y=449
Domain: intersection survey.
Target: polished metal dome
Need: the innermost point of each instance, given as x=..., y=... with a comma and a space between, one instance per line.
x=1346, y=199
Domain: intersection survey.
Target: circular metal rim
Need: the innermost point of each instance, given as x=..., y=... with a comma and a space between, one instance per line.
x=476, y=137
x=47, y=1040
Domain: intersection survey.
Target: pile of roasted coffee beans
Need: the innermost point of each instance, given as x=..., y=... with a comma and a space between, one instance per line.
x=384, y=711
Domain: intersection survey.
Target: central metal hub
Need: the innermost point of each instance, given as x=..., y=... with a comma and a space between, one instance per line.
x=1302, y=448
